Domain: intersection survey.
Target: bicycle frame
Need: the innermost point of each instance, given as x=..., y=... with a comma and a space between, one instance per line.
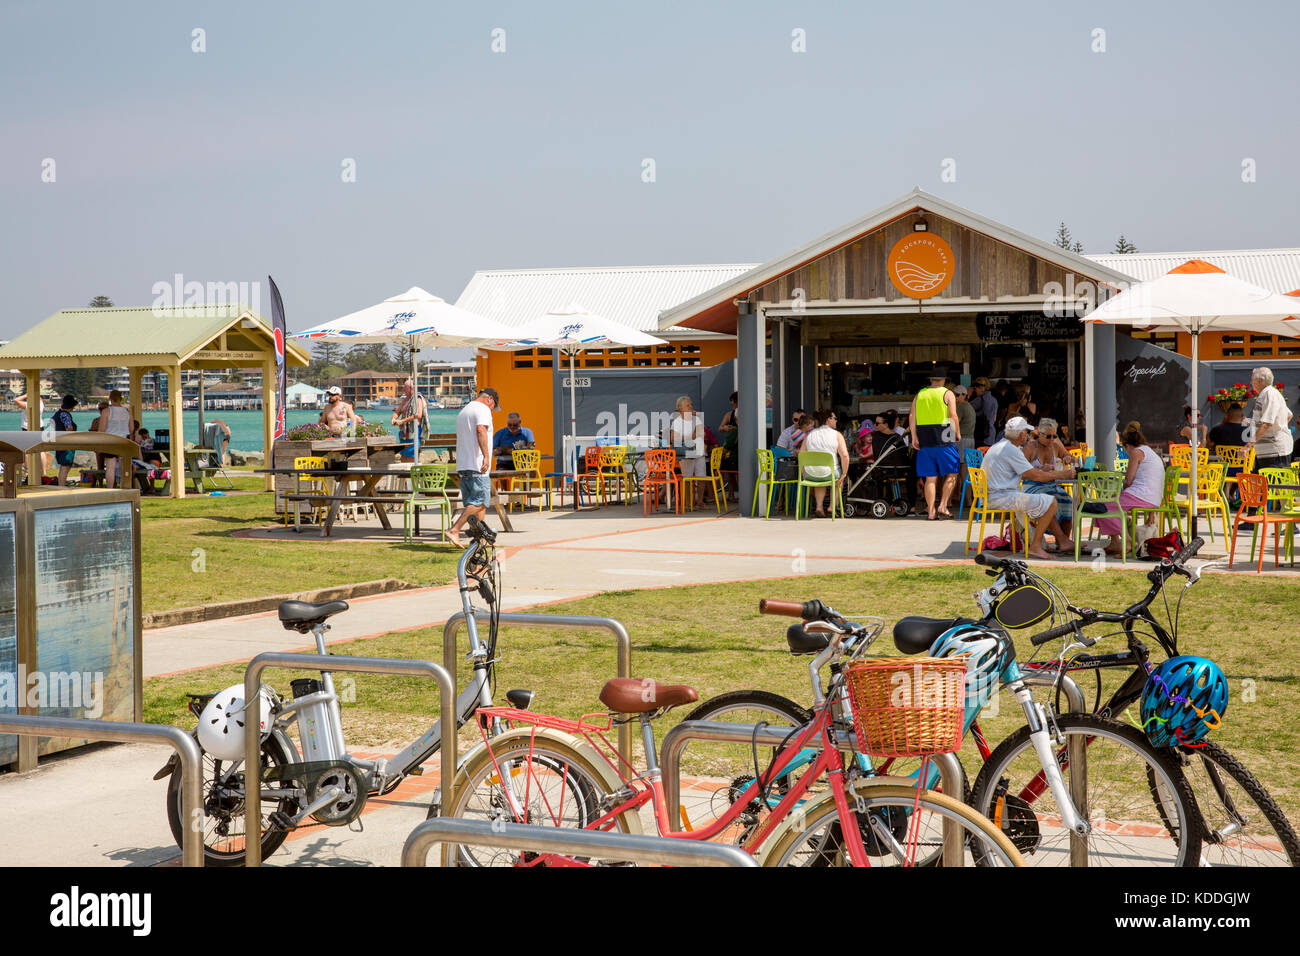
x=643, y=788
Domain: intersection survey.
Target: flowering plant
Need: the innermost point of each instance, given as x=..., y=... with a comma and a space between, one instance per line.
x=315, y=431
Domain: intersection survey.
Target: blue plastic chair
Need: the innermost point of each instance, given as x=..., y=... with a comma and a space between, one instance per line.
x=974, y=459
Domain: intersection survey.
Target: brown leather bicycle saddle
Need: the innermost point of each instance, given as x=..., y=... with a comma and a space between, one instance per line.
x=631, y=695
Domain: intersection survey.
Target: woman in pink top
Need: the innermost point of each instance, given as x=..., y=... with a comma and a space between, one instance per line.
x=1144, y=482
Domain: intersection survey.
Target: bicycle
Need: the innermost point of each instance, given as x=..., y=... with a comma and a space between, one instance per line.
x=323, y=781
x=1049, y=817
x=1224, y=789
x=553, y=771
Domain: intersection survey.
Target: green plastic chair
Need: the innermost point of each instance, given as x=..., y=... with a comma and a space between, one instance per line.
x=1168, y=507
x=1100, y=487
x=1285, y=504
x=428, y=490
x=817, y=459
x=767, y=476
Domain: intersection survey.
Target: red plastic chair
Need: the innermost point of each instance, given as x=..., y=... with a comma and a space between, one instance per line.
x=590, y=473
x=661, y=472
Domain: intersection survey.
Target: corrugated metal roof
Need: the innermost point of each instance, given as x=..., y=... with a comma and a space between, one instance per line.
x=1277, y=270
x=630, y=295
x=130, y=331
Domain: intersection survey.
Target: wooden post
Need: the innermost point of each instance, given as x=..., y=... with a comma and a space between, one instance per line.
x=33, y=377
x=268, y=416
x=136, y=397
x=176, y=406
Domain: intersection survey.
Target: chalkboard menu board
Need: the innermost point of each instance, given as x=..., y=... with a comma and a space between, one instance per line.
x=1026, y=327
x=1152, y=389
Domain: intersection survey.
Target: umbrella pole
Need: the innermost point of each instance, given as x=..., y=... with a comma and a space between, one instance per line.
x=415, y=406
x=1195, y=404
x=573, y=426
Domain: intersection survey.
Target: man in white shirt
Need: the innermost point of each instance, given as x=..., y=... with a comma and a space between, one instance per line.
x=1005, y=464
x=1270, y=431
x=474, y=458
x=784, y=439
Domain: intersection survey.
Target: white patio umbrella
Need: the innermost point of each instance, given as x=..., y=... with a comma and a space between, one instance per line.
x=1198, y=297
x=572, y=329
x=416, y=319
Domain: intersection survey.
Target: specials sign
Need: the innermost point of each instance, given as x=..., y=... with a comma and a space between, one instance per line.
x=920, y=265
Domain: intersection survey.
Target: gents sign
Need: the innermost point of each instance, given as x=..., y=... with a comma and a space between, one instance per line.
x=920, y=265
x=1026, y=327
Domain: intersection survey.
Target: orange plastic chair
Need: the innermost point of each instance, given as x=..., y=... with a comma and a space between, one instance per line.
x=590, y=473
x=661, y=472
x=1254, y=494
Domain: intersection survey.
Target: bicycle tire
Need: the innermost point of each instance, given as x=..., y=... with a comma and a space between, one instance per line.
x=226, y=814
x=1138, y=817
x=820, y=836
x=1274, y=845
x=553, y=757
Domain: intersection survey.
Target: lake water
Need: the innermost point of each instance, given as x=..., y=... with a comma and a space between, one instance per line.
x=245, y=426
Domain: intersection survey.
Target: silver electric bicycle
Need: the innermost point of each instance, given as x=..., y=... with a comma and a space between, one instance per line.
x=317, y=778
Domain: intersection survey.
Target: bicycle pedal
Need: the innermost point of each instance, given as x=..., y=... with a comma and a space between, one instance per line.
x=415, y=772
x=279, y=820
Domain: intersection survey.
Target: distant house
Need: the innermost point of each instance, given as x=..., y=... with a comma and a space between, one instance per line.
x=302, y=395
x=362, y=388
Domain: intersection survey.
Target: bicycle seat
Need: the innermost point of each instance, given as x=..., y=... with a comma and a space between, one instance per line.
x=914, y=635
x=630, y=695
x=303, y=615
x=802, y=642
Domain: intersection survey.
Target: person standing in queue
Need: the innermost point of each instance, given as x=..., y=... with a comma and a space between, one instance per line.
x=474, y=459
x=935, y=435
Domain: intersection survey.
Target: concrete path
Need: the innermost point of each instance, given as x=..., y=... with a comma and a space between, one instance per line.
x=100, y=806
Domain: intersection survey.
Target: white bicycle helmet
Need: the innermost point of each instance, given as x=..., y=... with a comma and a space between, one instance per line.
x=221, y=725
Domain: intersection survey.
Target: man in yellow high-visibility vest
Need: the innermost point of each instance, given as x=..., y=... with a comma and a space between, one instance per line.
x=935, y=434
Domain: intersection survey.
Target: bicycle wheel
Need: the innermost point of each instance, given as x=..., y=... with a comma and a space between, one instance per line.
x=223, y=806
x=553, y=784
x=898, y=829
x=721, y=771
x=1243, y=824
x=1139, y=803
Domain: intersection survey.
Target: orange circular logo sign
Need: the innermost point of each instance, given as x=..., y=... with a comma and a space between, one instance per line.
x=920, y=265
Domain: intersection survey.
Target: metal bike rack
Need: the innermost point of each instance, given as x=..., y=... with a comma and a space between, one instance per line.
x=632, y=847
x=330, y=662
x=950, y=774
x=125, y=732
x=621, y=637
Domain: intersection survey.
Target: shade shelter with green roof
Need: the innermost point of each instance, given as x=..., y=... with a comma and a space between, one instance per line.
x=169, y=340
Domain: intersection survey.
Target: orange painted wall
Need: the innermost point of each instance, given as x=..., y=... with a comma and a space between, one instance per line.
x=1213, y=346
x=528, y=391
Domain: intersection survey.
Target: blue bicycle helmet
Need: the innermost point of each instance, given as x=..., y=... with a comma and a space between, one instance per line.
x=1184, y=699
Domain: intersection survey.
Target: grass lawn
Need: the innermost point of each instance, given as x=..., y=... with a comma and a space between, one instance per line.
x=713, y=638
x=231, y=568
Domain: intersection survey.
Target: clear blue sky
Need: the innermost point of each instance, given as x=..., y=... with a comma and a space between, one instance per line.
x=225, y=165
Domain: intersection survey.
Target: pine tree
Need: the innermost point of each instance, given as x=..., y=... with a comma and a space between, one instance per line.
x=1063, y=238
x=1124, y=247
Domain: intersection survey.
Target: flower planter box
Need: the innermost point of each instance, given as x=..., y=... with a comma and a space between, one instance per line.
x=353, y=449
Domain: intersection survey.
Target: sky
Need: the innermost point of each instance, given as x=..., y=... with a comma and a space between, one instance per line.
x=507, y=135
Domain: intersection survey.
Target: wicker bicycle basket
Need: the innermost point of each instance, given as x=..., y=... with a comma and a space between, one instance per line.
x=907, y=706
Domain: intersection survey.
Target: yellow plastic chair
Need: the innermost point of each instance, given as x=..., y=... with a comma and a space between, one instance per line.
x=304, y=483
x=1235, y=457
x=1168, y=507
x=612, y=470
x=529, y=459
x=979, y=485
x=1209, y=497
x=713, y=479
x=1180, y=456
x=817, y=459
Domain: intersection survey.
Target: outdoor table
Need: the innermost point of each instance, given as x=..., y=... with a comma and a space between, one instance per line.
x=192, y=470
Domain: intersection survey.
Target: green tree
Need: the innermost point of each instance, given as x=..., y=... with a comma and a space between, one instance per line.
x=1124, y=247
x=101, y=302
x=1067, y=241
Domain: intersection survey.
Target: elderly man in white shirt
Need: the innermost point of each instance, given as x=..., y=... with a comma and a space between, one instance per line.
x=784, y=439
x=1005, y=464
x=1269, y=430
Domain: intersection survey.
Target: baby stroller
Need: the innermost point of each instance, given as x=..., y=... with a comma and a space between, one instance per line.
x=882, y=484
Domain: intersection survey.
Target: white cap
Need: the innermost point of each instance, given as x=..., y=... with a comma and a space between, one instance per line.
x=1016, y=424
x=334, y=390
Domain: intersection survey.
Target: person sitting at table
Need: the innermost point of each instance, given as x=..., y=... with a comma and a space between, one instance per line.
x=1231, y=431
x=1185, y=433
x=784, y=439
x=507, y=439
x=1044, y=451
x=1144, y=482
x=686, y=434
x=1005, y=465
x=826, y=437
x=338, y=414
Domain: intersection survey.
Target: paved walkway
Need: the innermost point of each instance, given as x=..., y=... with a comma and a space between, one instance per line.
x=100, y=806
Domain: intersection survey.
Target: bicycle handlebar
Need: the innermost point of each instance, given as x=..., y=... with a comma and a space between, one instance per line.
x=808, y=610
